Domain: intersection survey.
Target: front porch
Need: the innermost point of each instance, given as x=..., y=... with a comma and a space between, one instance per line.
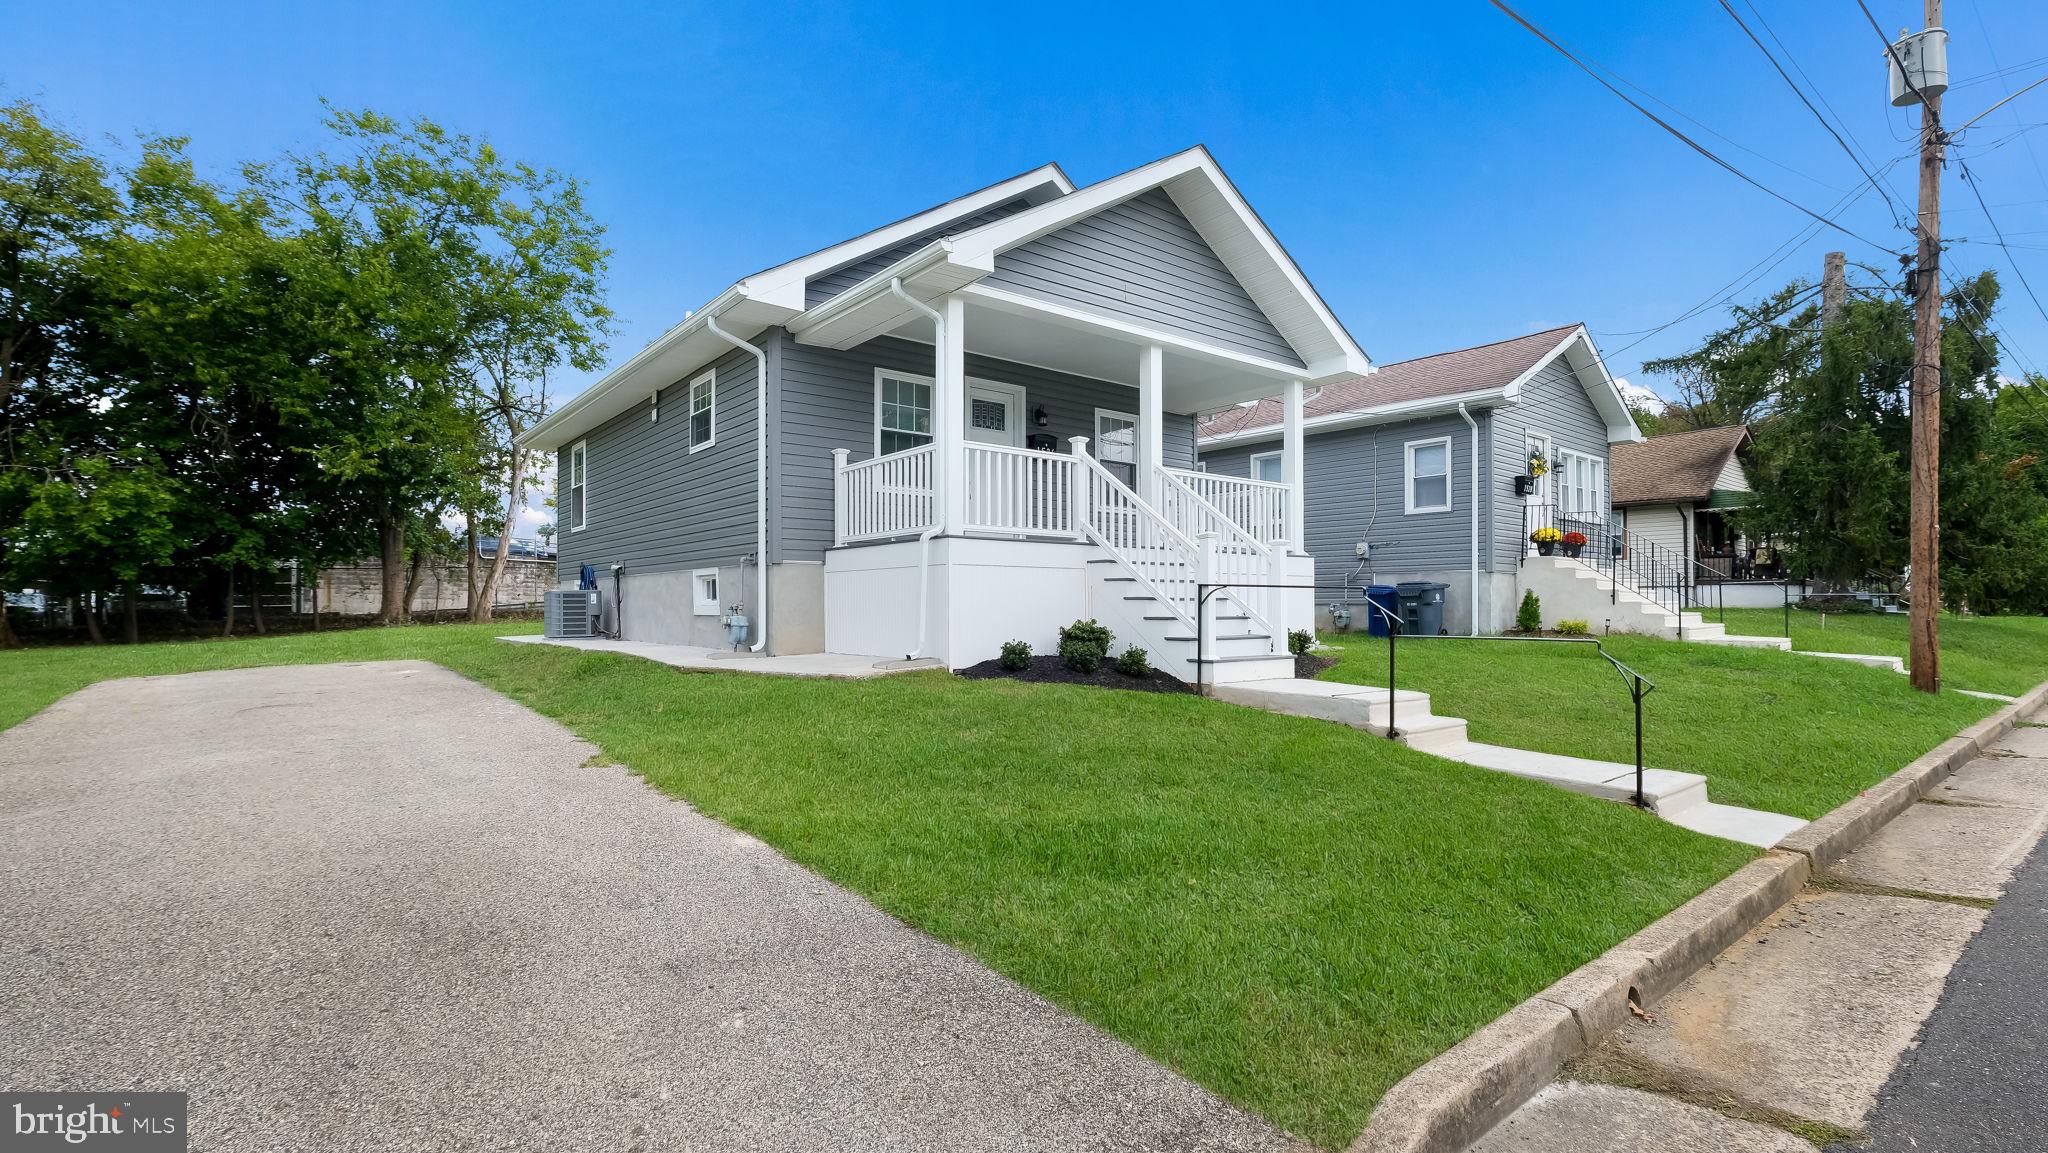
x=972, y=524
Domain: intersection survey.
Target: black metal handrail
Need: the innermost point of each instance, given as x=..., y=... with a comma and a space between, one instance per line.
x=1203, y=591
x=1629, y=560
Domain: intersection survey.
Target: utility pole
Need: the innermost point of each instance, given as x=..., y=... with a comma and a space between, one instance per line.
x=1925, y=542
x=1834, y=288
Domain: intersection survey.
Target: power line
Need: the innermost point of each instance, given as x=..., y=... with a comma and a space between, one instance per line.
x=1801, y=94
x=1689, y=142
x=1905, y=74
x=1971, y=180
x=1819, y=93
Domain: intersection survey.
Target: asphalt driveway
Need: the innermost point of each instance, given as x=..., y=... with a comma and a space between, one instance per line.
x=378, y=906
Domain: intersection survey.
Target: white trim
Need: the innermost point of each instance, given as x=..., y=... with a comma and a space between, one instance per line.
x=1095, y=440
x=1358, y=418
x=698, y=605
x=1408, y=476
x=1252, y=464
x=579, y=477
x=710, y=379
x=1015, y=302
x=933, y=410
x=1017, y=408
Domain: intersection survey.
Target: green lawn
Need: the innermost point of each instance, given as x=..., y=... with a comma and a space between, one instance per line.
x=1989, y=654
x=1771, y=730
x=1290, y=912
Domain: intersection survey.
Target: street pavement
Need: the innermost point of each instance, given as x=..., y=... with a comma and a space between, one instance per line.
x=377, y=907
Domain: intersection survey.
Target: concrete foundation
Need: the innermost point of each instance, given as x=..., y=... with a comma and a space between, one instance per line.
x=1498, y=597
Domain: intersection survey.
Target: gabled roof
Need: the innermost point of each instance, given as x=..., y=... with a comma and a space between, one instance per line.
x=1676, y=469
x=1480, y=376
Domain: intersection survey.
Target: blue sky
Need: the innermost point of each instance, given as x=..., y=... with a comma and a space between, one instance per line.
x=1442, y=176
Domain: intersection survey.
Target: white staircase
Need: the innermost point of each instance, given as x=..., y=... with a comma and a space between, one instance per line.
x=1570, y=589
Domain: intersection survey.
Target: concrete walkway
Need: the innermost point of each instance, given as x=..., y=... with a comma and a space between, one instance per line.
x=830, y=665
x=377, y=906
x=1785, y=1042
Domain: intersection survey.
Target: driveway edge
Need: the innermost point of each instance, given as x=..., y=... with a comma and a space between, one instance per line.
x=1455, y=1098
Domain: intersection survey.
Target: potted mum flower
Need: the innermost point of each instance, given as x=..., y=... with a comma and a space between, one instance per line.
x=1574, y=543
x=1545, y=540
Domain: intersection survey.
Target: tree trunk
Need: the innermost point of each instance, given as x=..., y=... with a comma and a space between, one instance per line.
x=92, y=619
x=414, y=577
x=394, y=608
x=131, y=625
x=8, y=640
x=227, y=628
x=256, y=586
x=480, y=607
x=469, y=564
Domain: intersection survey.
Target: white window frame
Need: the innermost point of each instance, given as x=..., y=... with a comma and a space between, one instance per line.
x=1095, y=442
x=579, y=477
x=1408, y=476
x=709, y=383
x=702, y=606
x=1253, y=464
x=1572, y=468
x=914, y=378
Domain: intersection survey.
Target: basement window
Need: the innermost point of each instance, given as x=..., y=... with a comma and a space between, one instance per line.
x=704, y=590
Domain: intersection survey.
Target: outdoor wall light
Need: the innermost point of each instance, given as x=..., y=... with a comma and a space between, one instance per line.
x=1039, y=417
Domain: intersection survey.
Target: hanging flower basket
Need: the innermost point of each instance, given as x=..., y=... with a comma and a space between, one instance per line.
x=1574, y=543
x=1545, y=539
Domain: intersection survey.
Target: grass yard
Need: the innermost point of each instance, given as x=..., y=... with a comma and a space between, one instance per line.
x=2006, y=655
x=1771, y=730
x=1289, y=912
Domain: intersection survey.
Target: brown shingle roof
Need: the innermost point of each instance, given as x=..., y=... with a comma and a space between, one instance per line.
x=1445, y=374
x=1673, y=469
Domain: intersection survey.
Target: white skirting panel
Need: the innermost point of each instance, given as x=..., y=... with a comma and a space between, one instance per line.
x=982, y=593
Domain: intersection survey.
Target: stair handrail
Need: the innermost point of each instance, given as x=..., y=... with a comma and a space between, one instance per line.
x=1179, y=542
x=1233, y=536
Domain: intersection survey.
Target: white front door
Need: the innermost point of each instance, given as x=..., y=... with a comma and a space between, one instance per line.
x=995, y=413
x=1536, y=447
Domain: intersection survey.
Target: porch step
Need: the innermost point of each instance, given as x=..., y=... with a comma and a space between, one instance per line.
x=1171, y=617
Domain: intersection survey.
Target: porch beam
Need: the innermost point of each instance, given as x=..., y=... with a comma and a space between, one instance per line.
x=949, y=414
x=1151, y=446
x=1290, y=462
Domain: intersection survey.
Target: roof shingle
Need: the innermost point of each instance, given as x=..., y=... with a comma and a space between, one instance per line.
x=1673, y=469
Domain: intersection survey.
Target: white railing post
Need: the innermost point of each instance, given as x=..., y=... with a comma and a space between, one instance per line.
x=1205, y=574
x=839, y=496
x=1077, y=490
x=1279, y=600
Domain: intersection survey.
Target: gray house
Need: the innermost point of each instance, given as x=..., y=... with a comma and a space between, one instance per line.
x=973, y=425
x=1422, y=470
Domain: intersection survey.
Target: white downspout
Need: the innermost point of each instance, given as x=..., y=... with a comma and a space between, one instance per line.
x=1475, y=515
x=924, y=539
x=760, y=477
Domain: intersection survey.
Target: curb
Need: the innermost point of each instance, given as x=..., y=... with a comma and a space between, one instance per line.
x=1458, y=1096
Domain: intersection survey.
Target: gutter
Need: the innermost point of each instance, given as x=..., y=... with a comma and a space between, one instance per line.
x=1475, y=515
x=924, y=539
x=760, y=471
x=615, y=377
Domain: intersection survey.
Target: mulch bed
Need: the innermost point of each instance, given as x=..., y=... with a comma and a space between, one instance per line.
x=1309, y=666
x=1049, y=671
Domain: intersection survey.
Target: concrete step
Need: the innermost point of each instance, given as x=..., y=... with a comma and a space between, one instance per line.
x=1737, y=640
x=1895, y=664
x=1431, y=734
x=1219, y=671
x=1360, y=706
x=1609, y=779
x=1705, y=633
x=1733, y=823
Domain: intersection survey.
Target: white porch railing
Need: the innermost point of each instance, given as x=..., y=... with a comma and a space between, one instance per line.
x=1165, y=562
x=1022, y=491
x=884, y=496
x=1259, y=507
x=1239, y=560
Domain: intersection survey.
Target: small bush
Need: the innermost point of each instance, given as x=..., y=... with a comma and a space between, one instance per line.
x=1529, y=618
x=1133, y=662
x=1083, y=644
x=1016, y=656
x=1574, y=628
x=1300, y=641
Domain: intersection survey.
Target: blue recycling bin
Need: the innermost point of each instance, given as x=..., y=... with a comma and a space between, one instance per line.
x=1387, y=598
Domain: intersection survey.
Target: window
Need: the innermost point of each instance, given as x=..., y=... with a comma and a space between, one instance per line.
x=1429, y=475
x=704, y=591
x=1116, y=444
x=577, y=486
x=1582, y=483
x=903, y=412
x=703, y=405
x=1266, y=466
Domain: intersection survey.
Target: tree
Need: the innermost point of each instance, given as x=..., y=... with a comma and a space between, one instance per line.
x=1737, y=374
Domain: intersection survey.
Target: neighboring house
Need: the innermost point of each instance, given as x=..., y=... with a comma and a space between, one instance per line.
x=1676, y=491
x=972, y=425
x=1412, y=470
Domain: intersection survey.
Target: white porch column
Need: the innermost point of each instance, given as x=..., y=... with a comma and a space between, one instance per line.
x=1290, y=463
x=1151, y=446
x=949, y=415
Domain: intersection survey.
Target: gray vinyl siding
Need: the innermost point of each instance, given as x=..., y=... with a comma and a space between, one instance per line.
x=1354, y=481
x=653, y=505
x=1552, y=402
x=823, y=287
x=1142, y=261
x=828, y=401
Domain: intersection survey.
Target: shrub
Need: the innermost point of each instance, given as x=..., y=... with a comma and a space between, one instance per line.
x=1132, y=662
x=1529, y=618
x=1016, y=656
x=1083, y=644
x=1574, y=628
x=1300, y=641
